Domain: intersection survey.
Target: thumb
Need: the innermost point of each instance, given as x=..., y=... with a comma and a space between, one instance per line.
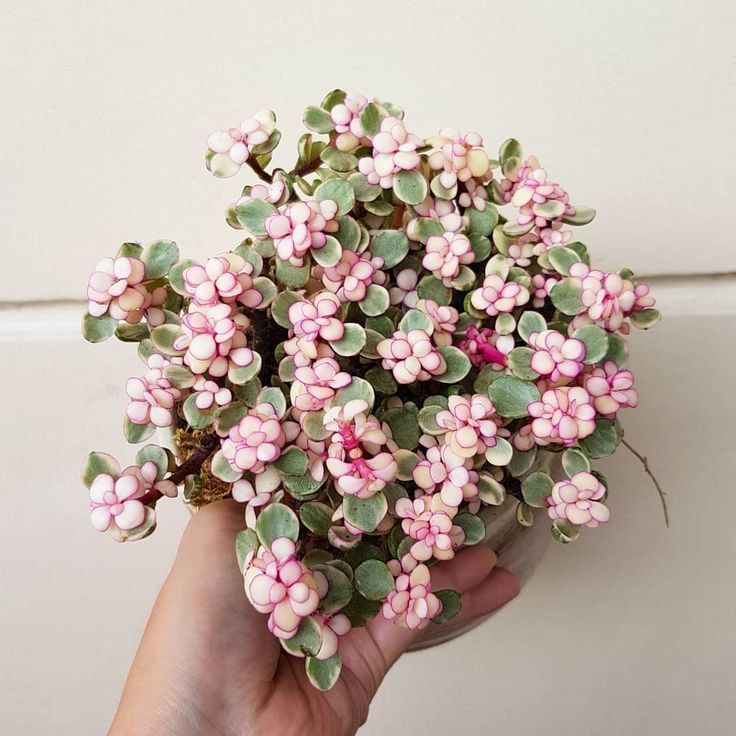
x=472, y=573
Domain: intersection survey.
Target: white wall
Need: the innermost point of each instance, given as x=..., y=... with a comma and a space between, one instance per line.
x=104, y=108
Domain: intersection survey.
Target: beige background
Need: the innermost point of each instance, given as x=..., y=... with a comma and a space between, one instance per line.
x=105, y=108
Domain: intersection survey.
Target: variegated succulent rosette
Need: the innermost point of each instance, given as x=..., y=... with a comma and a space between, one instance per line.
x=409, y=331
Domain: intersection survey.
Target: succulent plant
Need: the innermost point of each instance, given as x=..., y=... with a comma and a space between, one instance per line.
x=407, y=331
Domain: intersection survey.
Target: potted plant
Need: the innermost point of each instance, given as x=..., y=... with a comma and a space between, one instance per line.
x=408, y=353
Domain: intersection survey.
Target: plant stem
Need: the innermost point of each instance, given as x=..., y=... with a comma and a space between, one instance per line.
x=306, y=168
x=645, y=464
x=258, y=169
x=190, y=466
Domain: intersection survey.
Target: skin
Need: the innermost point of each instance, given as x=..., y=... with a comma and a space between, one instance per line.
x=207, y=664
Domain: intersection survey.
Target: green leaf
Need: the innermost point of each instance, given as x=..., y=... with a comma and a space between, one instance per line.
x=318, y=120
x=176, y=276
x=536, y=488
x=360, y=610
x=302, y=487
x=131, y=333
x=646, y=318
x=530, y=322
x=451, y=605
x=358, y=388
x=370, y=349
x=514, y=230
x=130, y=250
x=382, y=324
x=490, y=490
x=416, y=320
x=603, y=441
x=135, y=433
x=596, y=342
x=370, y=119
x=222, y=469
x=339, y=191
x=427, y=420
x=551, y=209
x=565, y=295
x=338, y=160
x=391, y=245
x=180, y=376
x=425, y=228
x=481, y=246
x=163, y=338
x=618, y=350
x=575, y=461
x=379, y=207
x=316, y=516
x=524, y=514
x=274, y=521
x=335, y=97
x=323, y=673
x=519, y=363
x=465, y=279
x=245, y=542
x=441, y=192
x=159, y=257
x=143, y=530
x=582, y=216
x=312, y=423
x=275, y=397
x=295, y=277
x=458, y=364
x=501, y=453
x=348, y=233
x=406, y=461
x=375, y=302
x=364, y=191
x=248, y=392
x=98, y=329
x=306, y=641
x=365, y=513
x=158, y=455
x=565, y=532
x=382, y=381
x=482, y=223
x=240, y=375
x=228, y=416
x=404, y=427
x=352, y=341
x=329, y=254
x=522, y=462
x=293, y=461
x=473, y=526
x=252, y=216
x=196, y=418
x=340, y=588
x=280, y=307
x=98, y=463
x=430, y=287
x=374, y=580
x=410, y=187
x=562, y=258
x=262, y=149
x=266, y=288
x=511, y=396
x=510, y=148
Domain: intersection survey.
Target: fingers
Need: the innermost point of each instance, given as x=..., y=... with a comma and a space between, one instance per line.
x=498, y=588
x=464, y=571
x=467, y=571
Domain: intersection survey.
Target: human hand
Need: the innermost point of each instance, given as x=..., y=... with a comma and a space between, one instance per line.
x=207, y=664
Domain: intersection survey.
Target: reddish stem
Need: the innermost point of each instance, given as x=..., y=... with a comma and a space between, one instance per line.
x=190, y=466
